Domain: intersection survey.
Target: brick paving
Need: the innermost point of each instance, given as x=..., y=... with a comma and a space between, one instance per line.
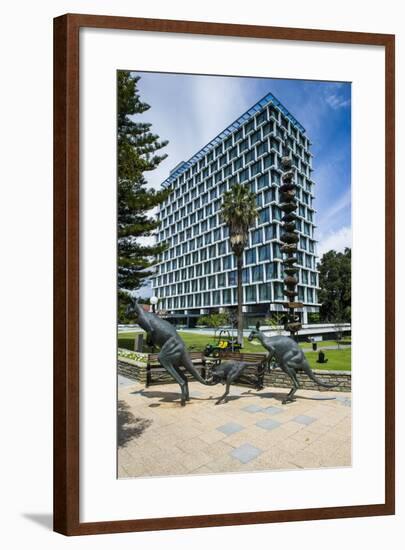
x=252, y=432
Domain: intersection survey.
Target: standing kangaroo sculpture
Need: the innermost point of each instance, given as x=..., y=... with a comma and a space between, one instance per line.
x=173, y=353
x=289, y=357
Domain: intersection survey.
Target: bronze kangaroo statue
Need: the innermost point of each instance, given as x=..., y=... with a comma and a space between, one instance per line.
x=173, y=353
x=289, y=357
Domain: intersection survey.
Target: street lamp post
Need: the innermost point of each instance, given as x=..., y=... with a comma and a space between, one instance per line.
x=154, y=301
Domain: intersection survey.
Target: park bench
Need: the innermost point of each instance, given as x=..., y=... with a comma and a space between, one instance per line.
x=156, y=374
x=252, y=375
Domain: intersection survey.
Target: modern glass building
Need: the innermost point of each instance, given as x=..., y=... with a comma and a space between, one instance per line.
x=196, y=275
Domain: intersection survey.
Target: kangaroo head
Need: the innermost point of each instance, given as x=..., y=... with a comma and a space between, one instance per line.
x=133, y=307
x=256, y=333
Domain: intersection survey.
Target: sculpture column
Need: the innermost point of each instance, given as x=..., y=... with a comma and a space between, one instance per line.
x=289, y=237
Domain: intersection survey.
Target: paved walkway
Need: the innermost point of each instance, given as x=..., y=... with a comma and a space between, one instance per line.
x=252, y=432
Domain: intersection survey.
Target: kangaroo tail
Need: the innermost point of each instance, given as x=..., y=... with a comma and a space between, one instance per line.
x=317, y=380
x=188, y=364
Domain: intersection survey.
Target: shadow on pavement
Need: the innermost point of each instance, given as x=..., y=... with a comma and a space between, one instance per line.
x=128, y=426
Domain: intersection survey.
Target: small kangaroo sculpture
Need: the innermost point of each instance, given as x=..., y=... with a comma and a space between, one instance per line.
x=173, y=353
x=289, y=357
x=229, y=372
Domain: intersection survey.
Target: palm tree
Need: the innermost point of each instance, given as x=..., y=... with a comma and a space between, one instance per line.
x=239, y=212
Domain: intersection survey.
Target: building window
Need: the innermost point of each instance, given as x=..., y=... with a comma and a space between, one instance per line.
x=243, y=145
x=228, y=171
x=268, y=161
x=221, y=248
x=255, y=137
x=222, y=161
x=263, y=181
x=207, y=298
x=301, y=294
x=232, y=278
x=233, y=153
x=249, y=126
x=313, y=279
x=257, y=273
x=221, y=280
x=227, y=262
x=278, y=291
x=250, y=156
x=257, y=236
x=244, y=175
x=265, y=292
x=264, y=216
x=216, y=265
x=216, y=297
x=276, y=213
x=250, y=256
x=250, y=293
x=276, y=251
x=267, y=128
x=270, y=232
x=262, y=117
x=271, y=271
x=269, y=195
x=238, y=164
x=262, y=148
x=226, y=296
x=245, y=276
x=238, y=135
x=264, y=253
x=303, y=242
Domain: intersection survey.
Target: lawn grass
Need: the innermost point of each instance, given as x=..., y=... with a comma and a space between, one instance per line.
x=197, y=342
x=337, y=359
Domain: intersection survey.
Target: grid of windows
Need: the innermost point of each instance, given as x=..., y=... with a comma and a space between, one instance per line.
x=198, y=269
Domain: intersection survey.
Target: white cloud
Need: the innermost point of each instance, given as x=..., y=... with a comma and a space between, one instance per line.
x=338, y=207
x=189, y=111
x=215, y=103
x=337, y=240
x=336, y=101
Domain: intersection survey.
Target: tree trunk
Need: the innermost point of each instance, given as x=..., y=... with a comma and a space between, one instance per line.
x=239, y=263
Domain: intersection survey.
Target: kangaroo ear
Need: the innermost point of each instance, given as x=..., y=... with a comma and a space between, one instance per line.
x=257, y=325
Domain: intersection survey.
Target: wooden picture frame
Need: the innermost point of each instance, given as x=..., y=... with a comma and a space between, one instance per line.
x=67, y=284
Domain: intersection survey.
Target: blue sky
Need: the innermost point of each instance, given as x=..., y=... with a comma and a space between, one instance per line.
x=190, y=110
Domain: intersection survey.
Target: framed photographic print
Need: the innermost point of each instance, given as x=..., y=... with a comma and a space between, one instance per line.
x=224, y=274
